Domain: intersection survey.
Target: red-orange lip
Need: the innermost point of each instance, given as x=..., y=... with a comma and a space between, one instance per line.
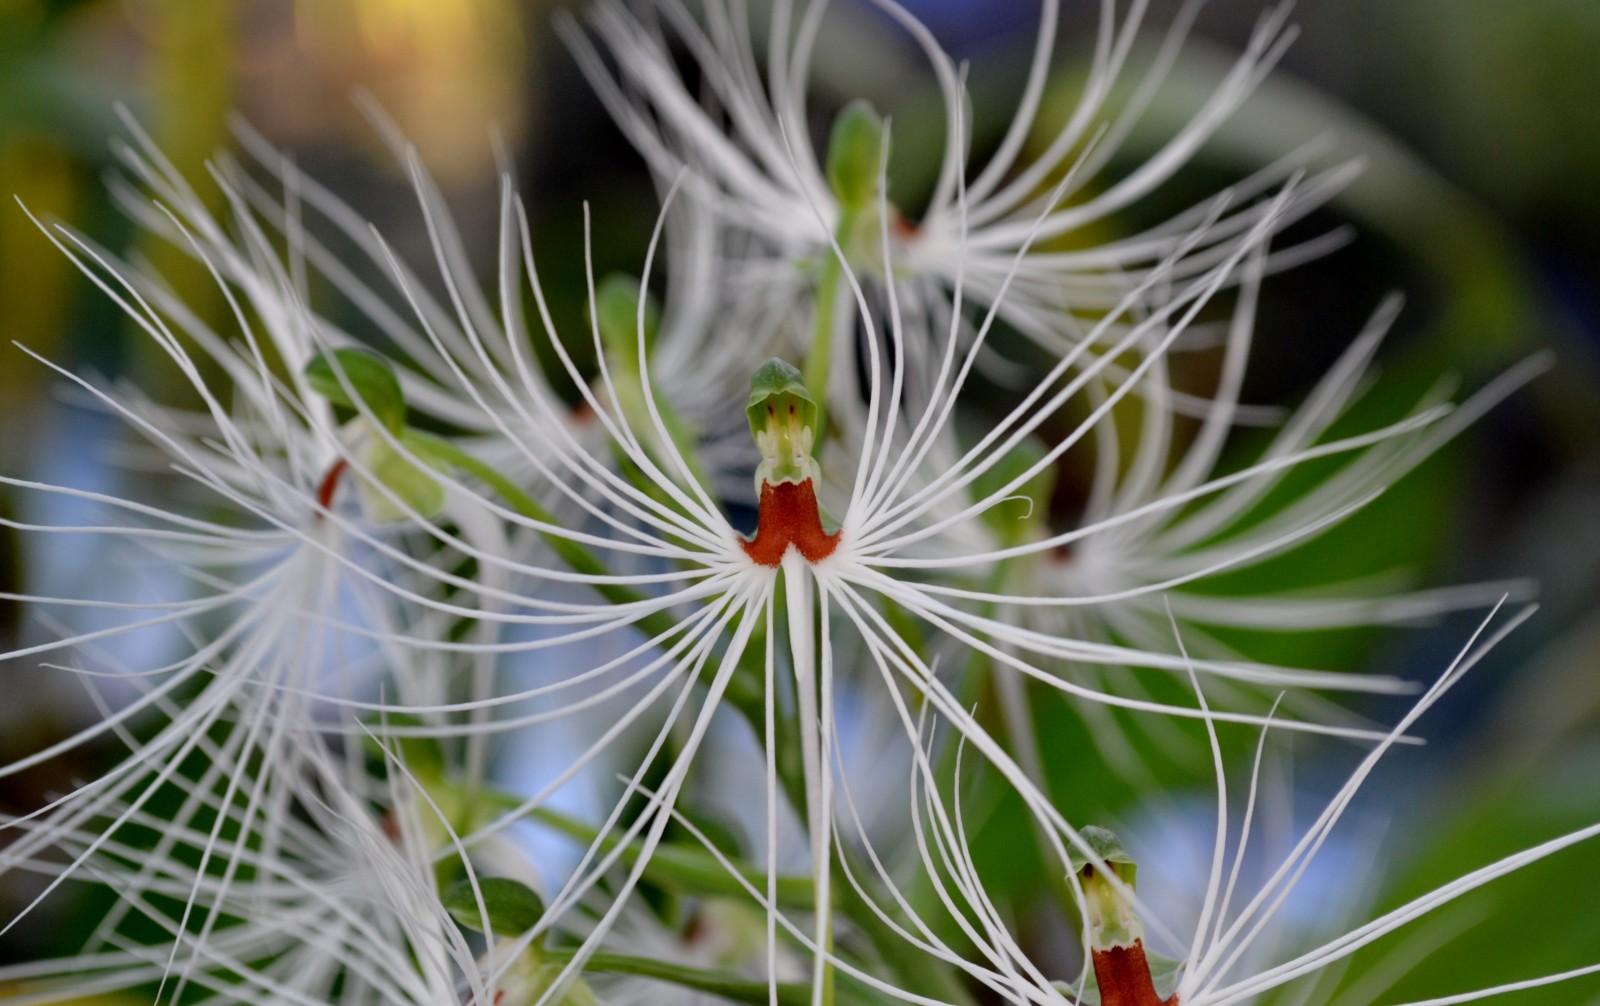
x=1123, y=974
x=788, y=515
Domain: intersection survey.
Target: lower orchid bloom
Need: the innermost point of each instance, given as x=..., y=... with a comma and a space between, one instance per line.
x=1239, y=949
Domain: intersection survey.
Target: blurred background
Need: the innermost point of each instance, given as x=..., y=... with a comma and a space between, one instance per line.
x=1480, y=125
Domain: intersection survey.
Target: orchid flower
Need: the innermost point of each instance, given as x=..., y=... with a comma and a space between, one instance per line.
x=1004, y=235
x=294, y=568
x=1153, y=561
x=378, y=544
x=341, y=902
x=706, y=624
x=1235, y=952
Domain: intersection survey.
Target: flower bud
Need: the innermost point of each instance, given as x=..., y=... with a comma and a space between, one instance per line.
x=616, y=309
x=361, y=381
x=394, y=482
x=855, y=153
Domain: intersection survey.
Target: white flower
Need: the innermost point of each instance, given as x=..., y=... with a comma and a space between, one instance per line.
x=291, y=593
x=336, y=902
x=1220, y=963
x=1136, y=560
x=597, y=538
x=705, y=627
x=987, y=237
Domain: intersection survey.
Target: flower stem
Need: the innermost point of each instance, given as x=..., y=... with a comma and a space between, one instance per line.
x=576, y=556
x=819, y=356
x=816, y=712
x=715, y=982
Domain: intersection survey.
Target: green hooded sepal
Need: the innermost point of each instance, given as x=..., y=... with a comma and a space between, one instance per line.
x=783, y=420
x=1108, y=914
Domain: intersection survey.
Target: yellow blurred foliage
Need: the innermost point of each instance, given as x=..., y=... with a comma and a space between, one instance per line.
x=426, y=61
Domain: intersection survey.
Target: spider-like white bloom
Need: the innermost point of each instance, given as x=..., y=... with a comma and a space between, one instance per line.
x=599, y=542
x=1220, y=963
x=441, y=322
x=706, y=626
x=1152, y=561
x=1003, y=235
x=291, y=594
x=341, y=904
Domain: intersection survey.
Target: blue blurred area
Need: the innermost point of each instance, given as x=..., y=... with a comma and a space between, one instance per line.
x=966, y=28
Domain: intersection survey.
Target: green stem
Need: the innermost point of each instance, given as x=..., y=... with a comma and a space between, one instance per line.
x=714, y=982
x=819, y=357
x=686, y=869
x=576, y=556
x=720, y=983
x=829, y=976
x=630, y=392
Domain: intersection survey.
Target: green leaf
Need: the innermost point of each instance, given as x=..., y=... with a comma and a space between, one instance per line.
x=1540, y=919
x=355, y=379
x=511, y=906
x=682, y=868
x=720, y=983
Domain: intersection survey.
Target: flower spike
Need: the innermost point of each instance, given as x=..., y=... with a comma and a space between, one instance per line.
x=504, y=557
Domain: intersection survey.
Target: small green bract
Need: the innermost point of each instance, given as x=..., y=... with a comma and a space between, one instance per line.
x=355, y=379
